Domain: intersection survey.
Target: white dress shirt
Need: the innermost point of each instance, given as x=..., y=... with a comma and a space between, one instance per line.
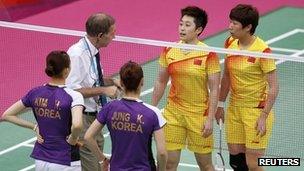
x=83, y=72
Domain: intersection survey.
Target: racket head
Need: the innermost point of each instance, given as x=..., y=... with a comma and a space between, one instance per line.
x=220, y=163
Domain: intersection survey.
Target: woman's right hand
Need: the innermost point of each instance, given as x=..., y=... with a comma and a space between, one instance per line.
x=39, y=137
x=111, y=92
x=105, y=165
x=71, y=140
x=220, y=114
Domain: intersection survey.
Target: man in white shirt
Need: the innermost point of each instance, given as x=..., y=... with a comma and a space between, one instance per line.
x=86, y=76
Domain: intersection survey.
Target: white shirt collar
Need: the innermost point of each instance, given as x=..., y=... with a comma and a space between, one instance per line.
x=55, y=85
x=132, y=98
x=93, y=49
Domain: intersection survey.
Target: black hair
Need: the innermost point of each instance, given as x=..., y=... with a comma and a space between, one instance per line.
x=131, y=74
x=56, y=62
x=246, y=15
x=200, y=16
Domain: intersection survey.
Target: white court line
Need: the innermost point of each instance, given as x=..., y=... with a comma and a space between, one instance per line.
x=17, y=146
x=284, y=49
x=283, y=36
x=106, y=134
x=300, y=30
x=33, y=165
x=294, y=54
x=148, y=91
x=27, y=144
x=196, y=166
x=109, y=155
x=188, y=165
x=31, y=145
x=28, y=168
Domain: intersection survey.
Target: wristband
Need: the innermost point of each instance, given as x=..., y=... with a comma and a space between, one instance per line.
x=35, y=127
x=220, y=104
x=102, y=161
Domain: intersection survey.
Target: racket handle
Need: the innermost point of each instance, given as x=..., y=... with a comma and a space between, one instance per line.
x=221, y=123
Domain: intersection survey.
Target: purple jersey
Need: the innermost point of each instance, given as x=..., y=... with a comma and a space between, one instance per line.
x=52, y=109
x=131, y=124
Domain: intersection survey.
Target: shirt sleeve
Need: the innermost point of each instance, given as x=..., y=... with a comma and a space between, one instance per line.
x=213, y=64
x=26, y=100
x=76, y=96
x=77, y=74
x=228, y=42
x=102, y=115
x=163, y=58
x=267, y=65
x=160, y=120
x=78, y=99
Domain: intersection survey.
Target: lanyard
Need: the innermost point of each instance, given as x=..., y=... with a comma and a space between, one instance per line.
x=94, y=62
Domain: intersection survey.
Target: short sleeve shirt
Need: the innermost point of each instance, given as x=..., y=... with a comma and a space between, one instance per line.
x=131, y=124
x=189, y=73
x=52, y=107
x=249, y=87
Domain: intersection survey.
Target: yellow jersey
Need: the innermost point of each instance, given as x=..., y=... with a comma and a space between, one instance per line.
x=248, y=80
x=189, y=72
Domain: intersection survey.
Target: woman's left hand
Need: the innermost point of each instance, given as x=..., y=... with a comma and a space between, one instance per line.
x=39, y=137
x=207, y=128
x=71, y=140
x=261, y=125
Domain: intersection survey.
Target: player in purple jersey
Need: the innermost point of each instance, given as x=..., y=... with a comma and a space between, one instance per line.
x=131, y=124
x=58, y=112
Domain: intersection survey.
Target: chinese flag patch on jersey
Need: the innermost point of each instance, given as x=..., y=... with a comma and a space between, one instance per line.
x=197, y=62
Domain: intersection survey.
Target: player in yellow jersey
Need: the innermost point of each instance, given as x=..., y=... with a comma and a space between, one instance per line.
x=190, y=106
x=253, y=86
